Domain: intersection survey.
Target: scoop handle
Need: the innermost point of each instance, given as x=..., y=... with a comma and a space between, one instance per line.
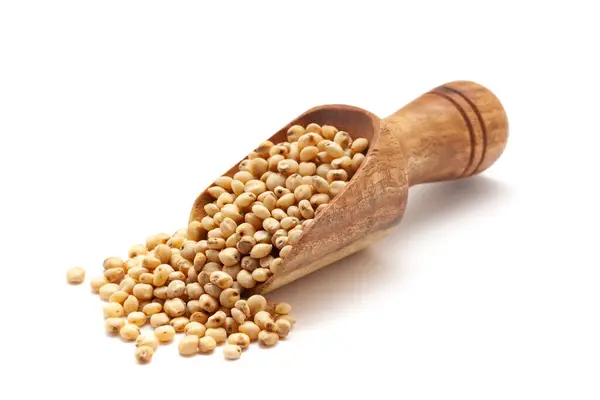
x=453, y=131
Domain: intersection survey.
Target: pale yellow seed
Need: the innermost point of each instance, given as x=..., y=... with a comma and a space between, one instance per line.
x=199, y=316
x=175, y=289
x=108, y=290
x=195, y=230
x=336, y=187
x=285, y=251
x=143, y=291
x=244, y=278
x=359, y=145
x=188, y=345
x=267, y=338
x=137, y=250
x=150, y=263
x=179, y=323
x=232, y=352
x=206, y=344
x=343, y=139
x=307, y=168
x=216, y=191
x=219, y=334
x=275, y=265
x=261, y=250
x=293, y=211
x=357, y=160
x=113, y=262
x=256, y=303
x=152, y=308
x=216, y=320
x=175, y=307
x=294, y=133
x=289, y=223
x=129, y=332
x=271, y=225
x=119, y=296
x=328, y=131
x=196, y=329
x=238, y=315
x=337, y=175
x=211, y=209
x=208, y=303
x=283, y=328
x=165, y=333
x=278, y=214
x=159, y=319
x=255, y=187
x=261, y=274
x=342, y=162
x=97, y=282
x=261, y=318
x=76, y=275
x=261, y=211
x=318, y=199
x=283, y=308
x=250, y=329
x=232, y=210
x=147, y=339
x=334, y=149
x=275, y=180
x=286, y=200
x=130, y=304
x=323, y=169
x=113, y=310
x=137, y=318
x=295, y=235
x=114, y=325
x=147, y=278
x=229, y=297
x=228, y=257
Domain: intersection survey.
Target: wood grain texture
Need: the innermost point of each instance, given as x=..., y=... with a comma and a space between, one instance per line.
x=454, y=131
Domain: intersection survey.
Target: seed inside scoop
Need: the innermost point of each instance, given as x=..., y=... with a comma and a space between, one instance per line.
x=194, y=280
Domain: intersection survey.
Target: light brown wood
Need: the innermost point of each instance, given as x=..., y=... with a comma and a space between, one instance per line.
x=454, y=131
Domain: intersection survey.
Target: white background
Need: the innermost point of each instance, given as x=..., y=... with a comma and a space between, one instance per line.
x=114, y=115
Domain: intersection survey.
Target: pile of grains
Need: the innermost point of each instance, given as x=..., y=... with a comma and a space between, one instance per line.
x=193, y=281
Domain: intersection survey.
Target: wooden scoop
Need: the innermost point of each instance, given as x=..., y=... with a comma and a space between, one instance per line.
x=454, y=131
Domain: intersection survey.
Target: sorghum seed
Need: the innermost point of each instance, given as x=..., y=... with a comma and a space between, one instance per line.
x=152, y=308
x=244, y=278
x=113, y=310
x=195, y=328
x=137, y=318
x=216, y=320
x=238, y=316
x=114, y=325
x=219, y=334
x=76, y=275
x=232, y=352
x=119, y=296
x=147, y=339
x=283, y=308
x=130, y=332
x=108, y=290
x=189, y=345
x=179, y=323
x=143, y=354
x=159, y=319
x=113, y=262
x=165, y=333
x=268, y=338
x=199, y=316
x=250, y=329
x=175, y=307
x=208, y=303
x=229, y=297
x=256, y=303
x=283, y=327
x=130, y=304
x=97, y=282
x=206, y=344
